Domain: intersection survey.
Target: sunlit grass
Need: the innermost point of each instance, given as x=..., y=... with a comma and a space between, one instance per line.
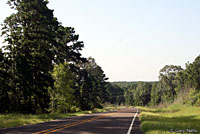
x=13, y=120
x=176, y=118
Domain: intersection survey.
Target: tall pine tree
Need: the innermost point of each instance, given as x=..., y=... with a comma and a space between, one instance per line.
x=30, y=34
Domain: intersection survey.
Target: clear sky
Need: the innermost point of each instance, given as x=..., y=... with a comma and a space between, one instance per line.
x=131, y=39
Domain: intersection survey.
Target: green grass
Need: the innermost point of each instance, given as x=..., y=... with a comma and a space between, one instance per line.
x=175, y=117
x=13, y=120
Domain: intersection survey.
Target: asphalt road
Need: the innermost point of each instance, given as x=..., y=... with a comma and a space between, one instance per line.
x=115, y=122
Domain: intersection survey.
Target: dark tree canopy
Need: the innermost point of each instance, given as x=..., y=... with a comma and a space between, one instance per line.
x=36, y=41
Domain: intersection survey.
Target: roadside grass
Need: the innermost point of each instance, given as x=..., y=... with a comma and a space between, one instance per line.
x=177, y=118
x=14, y=119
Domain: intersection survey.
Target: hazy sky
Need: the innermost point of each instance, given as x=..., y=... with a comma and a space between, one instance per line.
x=131, y=39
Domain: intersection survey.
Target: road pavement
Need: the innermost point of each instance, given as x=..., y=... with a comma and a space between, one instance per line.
x=115, y=122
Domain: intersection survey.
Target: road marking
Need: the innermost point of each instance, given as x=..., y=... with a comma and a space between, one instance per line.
x=58, y=127
x=130, y=128
x=47, y=131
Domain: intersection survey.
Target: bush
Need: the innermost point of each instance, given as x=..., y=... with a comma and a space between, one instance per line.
x=194, y=97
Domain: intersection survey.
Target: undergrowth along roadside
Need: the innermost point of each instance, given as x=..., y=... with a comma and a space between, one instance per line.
x=173, y=119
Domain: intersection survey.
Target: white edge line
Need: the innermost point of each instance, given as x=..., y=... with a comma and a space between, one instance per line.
x=129, y=130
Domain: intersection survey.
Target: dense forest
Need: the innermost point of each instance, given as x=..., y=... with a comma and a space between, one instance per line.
x=42, y=70
x=41, y=67
x=175, y=85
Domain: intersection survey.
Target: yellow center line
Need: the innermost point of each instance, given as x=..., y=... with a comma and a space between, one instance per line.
x=75, y=123
x=60, y=126
x=67, y=126
x=70, y=126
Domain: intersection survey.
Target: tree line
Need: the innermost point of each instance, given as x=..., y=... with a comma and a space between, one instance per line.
x=175, y=85
x=41, y=67
x=42, y=70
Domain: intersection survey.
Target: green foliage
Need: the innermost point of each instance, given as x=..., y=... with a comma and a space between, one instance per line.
x=92, y=85
x=37, y=43
x=41, y=69
x=142, y=94
x=194, y=97
x=133, y=93
x=116, y=94
x=126, y=85
x=174, y=84
x=129, y=97
x=167, y=81
x=4, y=80
x=189, y=82
x=30, y=36
x=155, y=94
x=77, y=87
x=62, y=95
